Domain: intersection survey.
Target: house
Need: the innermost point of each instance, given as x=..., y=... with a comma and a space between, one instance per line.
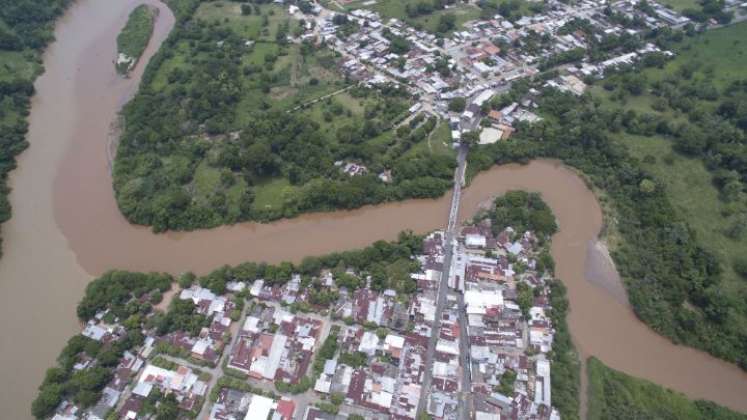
x=393, y=345
x=285, y=409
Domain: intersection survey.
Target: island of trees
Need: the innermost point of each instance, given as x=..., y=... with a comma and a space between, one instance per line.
x=134, y=37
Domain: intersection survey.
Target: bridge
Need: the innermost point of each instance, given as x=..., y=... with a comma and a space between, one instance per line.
x=443, y=287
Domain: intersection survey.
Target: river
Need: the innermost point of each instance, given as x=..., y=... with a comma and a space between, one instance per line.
x=66, y=228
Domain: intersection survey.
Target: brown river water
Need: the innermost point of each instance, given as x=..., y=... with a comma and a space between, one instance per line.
x=66, y=228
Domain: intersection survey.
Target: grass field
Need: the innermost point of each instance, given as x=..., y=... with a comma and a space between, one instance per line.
x=396, y=9
x=720, y=52
x=438, y=143
x=228, y=14
x=680, y=5
x=134, y=37
x=207, y=182
x=271, y=194
x=614, y=395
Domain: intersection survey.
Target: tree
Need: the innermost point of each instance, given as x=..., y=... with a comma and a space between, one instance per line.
x=457, y=104
x=647, y=186
x=471, y=137
x=48, y=399
x=186, y=280
x=740, y=266
x=446, y=22
x=168, y=408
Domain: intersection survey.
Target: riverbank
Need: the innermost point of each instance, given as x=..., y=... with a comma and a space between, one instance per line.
x=614, y=395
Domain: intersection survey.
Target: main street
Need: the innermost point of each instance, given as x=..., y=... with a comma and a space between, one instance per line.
x=443, y=289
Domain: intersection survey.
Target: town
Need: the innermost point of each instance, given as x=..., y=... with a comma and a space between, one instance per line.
x=463, y=78
x=454, y=325
x=313, y=342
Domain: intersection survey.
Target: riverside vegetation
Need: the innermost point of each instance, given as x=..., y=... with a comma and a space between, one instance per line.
x=676, y=282
x=133, y=39
x=614, y=395
x=26, y=27
x=214, y=136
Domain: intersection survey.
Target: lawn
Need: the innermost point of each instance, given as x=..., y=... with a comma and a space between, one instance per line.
x=680, y=5
x=271, y=194
x=397, y=9
x=297, y=79
x=614, y=395
x=207, y=183
x=437, y=143
x=725, y=48
x=134, y=37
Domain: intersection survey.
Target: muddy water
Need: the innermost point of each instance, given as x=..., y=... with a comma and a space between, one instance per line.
x=66, y=228
x=40, y=281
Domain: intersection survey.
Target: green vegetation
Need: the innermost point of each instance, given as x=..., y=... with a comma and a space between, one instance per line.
x=436, y=16
x=355, y=359
x=125, y=296
x=247, y=143
x=677, y=222
x=512, y=10
x=26, y=27
x=524, y=211
x=615, y=395
x=685, y=122
x=327, y=351
x=566, y=366
x=134, y=37
x=681, y=5
x=388, y=263
x=507, y=383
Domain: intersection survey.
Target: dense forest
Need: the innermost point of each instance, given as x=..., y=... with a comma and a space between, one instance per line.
x=26, y=27
x=223, y=130
x=614, y=395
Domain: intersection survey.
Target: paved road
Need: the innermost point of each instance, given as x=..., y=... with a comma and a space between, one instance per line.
x=443, y=286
